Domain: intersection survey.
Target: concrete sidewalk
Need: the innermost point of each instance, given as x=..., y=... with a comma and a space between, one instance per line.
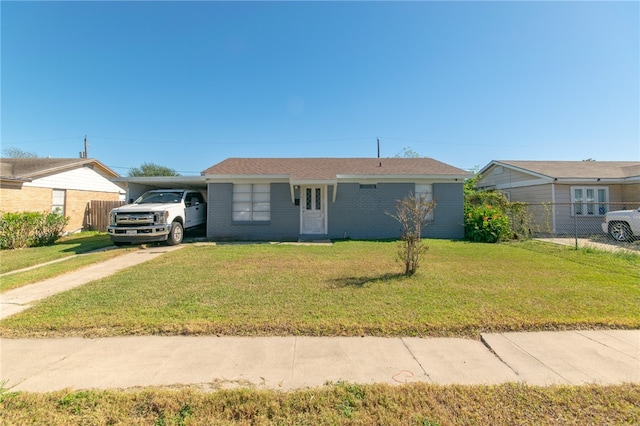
x=286, y=363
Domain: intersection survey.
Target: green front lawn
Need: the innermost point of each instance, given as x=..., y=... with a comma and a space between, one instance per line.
x=350, y=288
x=65, y=247
x=64, y=252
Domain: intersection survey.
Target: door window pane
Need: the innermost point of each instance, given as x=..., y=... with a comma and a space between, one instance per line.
x=308, y=198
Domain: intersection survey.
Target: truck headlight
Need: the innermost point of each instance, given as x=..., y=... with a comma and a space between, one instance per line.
x=161, y=217
x=112, y=219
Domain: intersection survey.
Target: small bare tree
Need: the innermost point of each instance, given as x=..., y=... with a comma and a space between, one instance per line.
x=412, y=213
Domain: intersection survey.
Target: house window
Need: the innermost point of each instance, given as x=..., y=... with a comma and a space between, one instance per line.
x=425, y=190
x=589, y=201
x=251, y=202
x=57, y=201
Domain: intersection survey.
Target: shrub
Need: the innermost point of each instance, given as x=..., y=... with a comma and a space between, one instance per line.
x=486, y=224
x=412, y=213
x=30, y=229
x=48, y=229
x=490, y=217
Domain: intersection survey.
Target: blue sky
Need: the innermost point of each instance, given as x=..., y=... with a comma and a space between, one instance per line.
x=188, y=84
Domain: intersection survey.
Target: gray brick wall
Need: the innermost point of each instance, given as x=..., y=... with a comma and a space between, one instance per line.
x=283, y=226
x=357, y=213
x=361, y=213
x=448, y=220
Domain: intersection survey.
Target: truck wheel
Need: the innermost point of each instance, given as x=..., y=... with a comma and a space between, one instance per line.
x=620, y=231
x=176, y=234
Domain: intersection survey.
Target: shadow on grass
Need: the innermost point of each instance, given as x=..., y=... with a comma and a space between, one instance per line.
x=84, y=244
x=362, y=281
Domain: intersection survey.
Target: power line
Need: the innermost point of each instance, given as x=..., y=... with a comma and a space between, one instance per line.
x=41, y=140
x=262, y=141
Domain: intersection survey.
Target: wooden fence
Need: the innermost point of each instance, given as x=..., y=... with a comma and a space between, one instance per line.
x=96, y=214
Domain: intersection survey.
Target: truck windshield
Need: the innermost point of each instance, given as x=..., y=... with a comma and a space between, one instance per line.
x=160, y=197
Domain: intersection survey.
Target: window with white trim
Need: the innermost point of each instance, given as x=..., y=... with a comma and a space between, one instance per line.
x=589, y=200
x=425, y=190
x=57, y=200
x=252, y=202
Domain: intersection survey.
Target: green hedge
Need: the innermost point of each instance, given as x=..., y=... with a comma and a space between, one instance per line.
x=30, y=229
x=489, y=217
x=486, y=224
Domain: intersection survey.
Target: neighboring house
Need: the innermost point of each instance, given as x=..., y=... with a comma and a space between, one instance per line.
x=560, y=192
x=317, y=198
x=66, y=185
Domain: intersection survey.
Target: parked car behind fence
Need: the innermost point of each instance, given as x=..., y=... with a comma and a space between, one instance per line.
x=602, y=222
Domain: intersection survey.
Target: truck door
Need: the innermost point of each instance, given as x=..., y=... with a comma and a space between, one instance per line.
x=196, y=209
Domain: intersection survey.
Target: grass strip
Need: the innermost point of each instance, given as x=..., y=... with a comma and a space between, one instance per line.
x=20, y=279
x=71, y=245
x=333, y=404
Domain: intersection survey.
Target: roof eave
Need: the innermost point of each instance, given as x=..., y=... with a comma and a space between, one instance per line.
x=405, y=177
x=591, y=180
x=13, y=179
x=70, y=166
x=313, y=181
x=173, y=181
x=244, y=177
x=512, y=167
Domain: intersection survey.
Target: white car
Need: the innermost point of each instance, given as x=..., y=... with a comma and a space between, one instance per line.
x=622, y=225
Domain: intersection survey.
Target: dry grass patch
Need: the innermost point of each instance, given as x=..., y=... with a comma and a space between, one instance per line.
x=341, y=403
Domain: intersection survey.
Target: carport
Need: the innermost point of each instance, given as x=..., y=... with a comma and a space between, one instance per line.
x=136, y=186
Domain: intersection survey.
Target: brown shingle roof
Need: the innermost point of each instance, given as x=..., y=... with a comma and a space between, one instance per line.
x=29, y=168
x=330, y=168
x=579, y=169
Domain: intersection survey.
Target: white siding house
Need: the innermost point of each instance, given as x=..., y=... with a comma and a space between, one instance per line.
x=559, y=192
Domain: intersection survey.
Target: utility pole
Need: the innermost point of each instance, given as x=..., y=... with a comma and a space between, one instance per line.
x=85, y=153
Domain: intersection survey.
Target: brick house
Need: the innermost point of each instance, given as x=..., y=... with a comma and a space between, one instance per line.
x=49, y=184
x=318, y=198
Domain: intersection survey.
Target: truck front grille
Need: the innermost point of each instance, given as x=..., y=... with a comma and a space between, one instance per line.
x=135, y=219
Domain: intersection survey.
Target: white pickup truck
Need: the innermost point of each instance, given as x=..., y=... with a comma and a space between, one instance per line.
x=158, y=215
x=622, y=225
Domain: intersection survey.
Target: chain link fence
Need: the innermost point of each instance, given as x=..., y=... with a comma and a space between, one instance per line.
x=577, y=224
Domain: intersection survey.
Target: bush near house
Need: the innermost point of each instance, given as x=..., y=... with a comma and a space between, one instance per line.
x=489, y=217
x=30, y=229
x=486, y=224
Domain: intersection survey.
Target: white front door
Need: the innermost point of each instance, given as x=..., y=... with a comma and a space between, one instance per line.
x=313, y=210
